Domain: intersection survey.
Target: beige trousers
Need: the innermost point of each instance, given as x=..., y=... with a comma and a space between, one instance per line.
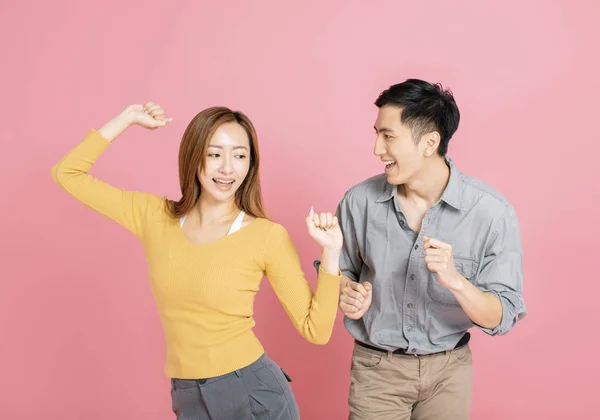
x=386, y=386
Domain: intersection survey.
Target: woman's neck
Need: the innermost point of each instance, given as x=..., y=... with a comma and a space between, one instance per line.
x=211, y=213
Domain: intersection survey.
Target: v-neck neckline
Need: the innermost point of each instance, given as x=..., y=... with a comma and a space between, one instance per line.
x=241, y=230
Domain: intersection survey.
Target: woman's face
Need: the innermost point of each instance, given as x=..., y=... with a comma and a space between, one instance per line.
x=226, y=163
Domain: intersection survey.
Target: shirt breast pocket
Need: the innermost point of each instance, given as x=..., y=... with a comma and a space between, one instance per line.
x=466, y=267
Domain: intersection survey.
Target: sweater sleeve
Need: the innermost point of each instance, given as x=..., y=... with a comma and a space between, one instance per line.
x=313, y=315
x=130, y=209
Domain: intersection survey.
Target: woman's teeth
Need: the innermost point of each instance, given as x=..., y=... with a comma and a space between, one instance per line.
x=224, y=184
x=219, y=181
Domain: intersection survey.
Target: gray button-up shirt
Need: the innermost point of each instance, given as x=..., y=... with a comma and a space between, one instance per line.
x=410, y=309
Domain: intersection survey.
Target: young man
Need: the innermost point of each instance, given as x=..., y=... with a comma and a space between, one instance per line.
x=429, y=252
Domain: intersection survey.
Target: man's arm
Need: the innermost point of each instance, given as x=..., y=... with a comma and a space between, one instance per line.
x=495, y=301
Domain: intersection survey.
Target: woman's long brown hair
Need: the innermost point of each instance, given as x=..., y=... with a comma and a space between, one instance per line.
x=192, y=153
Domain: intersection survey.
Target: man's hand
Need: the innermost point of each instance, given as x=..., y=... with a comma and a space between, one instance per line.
x=439, y=259
x=355, y=298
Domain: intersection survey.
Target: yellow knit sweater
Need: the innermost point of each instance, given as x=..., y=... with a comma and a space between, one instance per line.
x=205, y=294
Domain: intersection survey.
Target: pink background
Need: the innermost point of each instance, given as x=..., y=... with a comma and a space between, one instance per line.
x=79, y=333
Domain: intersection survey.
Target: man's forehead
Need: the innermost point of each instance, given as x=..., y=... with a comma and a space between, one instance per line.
x=388, y=119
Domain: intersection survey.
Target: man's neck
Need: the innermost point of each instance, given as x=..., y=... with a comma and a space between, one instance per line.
x=428, y=185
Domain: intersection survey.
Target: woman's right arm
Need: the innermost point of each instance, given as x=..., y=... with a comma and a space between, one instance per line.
x=128, y=208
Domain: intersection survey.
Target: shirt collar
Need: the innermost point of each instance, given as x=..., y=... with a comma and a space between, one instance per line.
x=451, y=194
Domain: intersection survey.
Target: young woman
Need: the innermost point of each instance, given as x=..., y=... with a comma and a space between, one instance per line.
x=207, y=254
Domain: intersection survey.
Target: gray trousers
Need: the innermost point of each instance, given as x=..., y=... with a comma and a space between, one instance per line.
x=260, y=391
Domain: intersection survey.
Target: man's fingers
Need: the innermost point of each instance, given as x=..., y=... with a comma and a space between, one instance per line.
x=426, y=243
x=436, y=243
x=436, y=251
x=435, y=267
x=348, y=308
x=436, y=259
x=359, y=288
x=350, y=301
x=353, y=294
x=352, y=313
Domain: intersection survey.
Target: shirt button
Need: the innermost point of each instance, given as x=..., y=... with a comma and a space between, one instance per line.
x=402, y=223
x=409, y=329
x=412, y=276
x=410, y=305
x=414, y=350
x=416, y=247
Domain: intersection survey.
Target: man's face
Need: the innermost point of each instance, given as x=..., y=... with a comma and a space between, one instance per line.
x=396, y=147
